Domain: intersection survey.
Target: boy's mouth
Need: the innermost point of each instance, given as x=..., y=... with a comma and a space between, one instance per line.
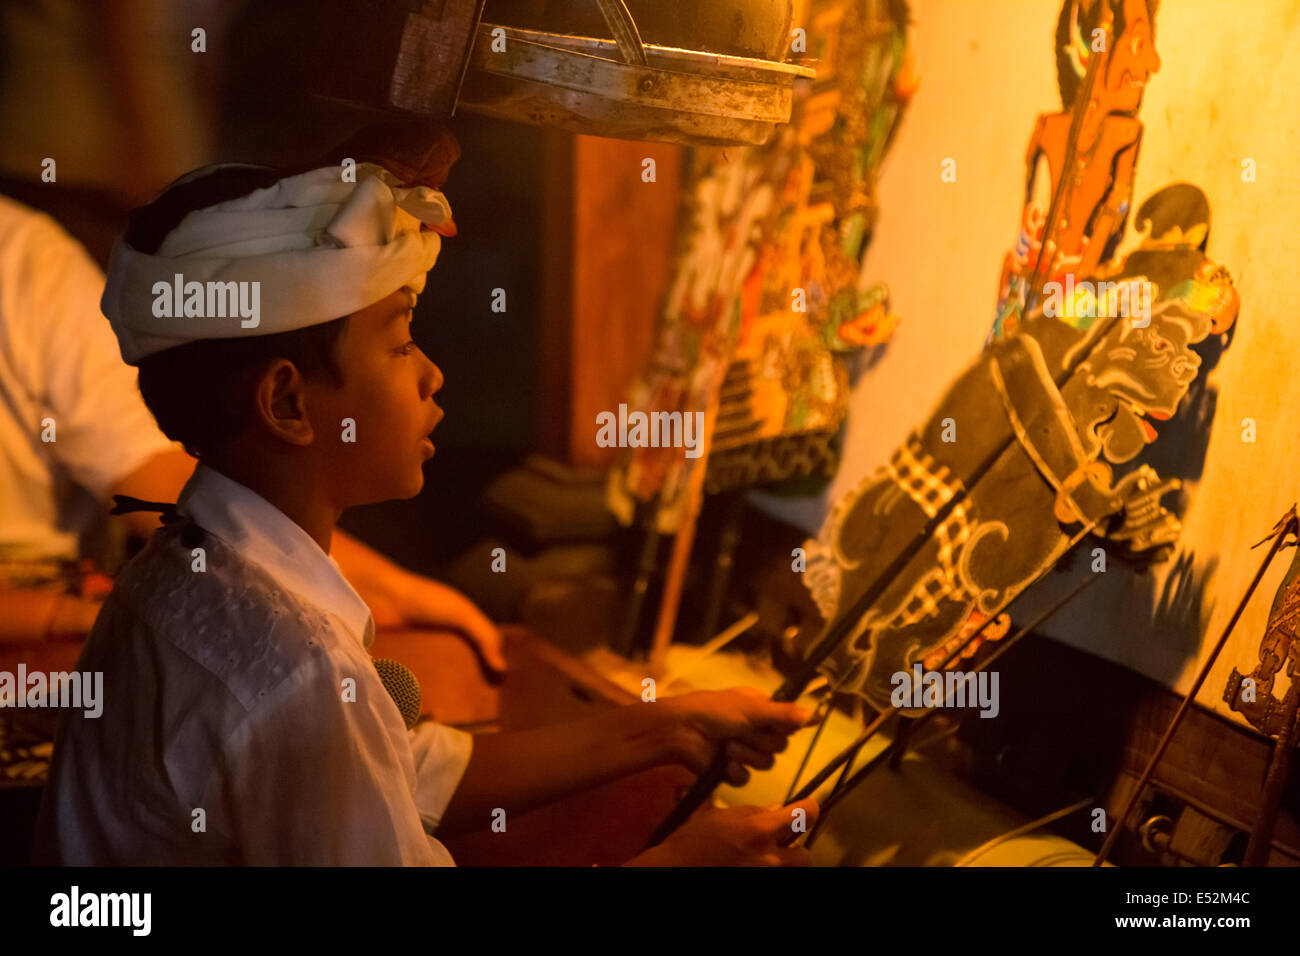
x=426, y=443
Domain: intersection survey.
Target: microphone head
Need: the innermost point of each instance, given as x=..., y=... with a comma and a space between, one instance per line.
x=400, y=682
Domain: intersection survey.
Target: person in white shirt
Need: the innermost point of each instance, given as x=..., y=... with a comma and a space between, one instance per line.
x=242, y=720
x=238, y=674
x=73, y=428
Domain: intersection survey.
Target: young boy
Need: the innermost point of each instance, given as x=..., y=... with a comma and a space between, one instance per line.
x=243, y=721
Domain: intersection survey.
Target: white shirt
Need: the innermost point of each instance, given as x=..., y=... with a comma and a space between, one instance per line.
x=225, y=691
x=61, y=377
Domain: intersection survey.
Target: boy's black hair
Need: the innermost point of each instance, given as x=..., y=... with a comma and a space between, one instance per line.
x=200, y=392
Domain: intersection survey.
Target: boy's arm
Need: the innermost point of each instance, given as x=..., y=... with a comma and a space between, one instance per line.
x=522, y=770
x=519, y=771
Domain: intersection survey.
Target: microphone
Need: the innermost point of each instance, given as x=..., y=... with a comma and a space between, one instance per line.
x=399, y=680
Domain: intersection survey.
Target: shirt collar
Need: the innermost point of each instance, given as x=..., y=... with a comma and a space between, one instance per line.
x=265, y=535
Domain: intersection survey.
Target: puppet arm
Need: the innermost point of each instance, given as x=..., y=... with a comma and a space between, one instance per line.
x=522, y=770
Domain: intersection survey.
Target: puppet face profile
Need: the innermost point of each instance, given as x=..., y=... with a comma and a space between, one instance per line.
x=1133, y=59
x=1128, y=62
x=1144, y=372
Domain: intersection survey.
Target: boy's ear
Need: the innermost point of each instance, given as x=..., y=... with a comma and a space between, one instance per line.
x=280, y=403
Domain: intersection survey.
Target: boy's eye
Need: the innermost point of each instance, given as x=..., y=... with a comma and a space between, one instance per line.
x=408, y=348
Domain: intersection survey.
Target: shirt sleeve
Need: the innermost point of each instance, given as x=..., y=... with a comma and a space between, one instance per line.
x=319, y=780
x=73, y=369
x=441, y=755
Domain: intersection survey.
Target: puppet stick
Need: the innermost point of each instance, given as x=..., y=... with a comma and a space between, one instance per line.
x=1291, y=527
x=644, y=572
x=851, y=751
x=727, y=636
x=807, y=754
x=899, y=744
x=845, y=771
x=893, y=749
x=682, y=544
x=708, y=650
x=846, y=623
x=733, y=509
x=1066, y=182
x=1261, y=836
x=828, y=704
x=893, y=752
x=842, y=786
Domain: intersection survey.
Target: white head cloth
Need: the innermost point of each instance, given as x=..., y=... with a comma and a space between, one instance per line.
x=320, y=249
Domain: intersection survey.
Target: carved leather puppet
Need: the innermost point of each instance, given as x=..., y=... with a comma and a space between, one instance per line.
x=765, y=302
x=1070, y=396
x=1097, y=163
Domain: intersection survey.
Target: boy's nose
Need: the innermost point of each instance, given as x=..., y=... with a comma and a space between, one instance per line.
x=431, y=380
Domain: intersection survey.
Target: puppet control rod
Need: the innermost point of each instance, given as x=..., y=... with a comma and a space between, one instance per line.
x=847, y=756
x=893, y=751
x=1257, y=849
x=849, y=753
x=844, y=625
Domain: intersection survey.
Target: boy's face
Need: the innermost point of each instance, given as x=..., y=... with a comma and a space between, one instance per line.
x=388, y=389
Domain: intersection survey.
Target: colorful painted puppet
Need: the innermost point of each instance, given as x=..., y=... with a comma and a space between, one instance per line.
x=1068, y=390
x=765, y=301
x=1081, y=160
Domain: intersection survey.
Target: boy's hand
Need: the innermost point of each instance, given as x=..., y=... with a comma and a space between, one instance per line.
x=753, y=727
x=737, y=836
